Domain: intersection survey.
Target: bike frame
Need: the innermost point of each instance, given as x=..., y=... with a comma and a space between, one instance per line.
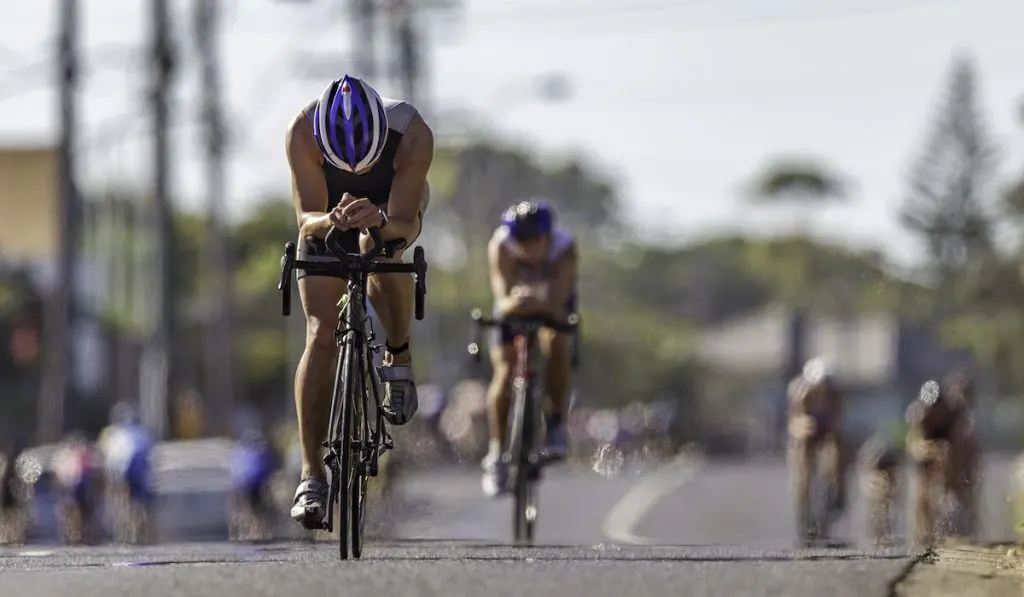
x=353, y=445
x=522, y=452
x=522, y=448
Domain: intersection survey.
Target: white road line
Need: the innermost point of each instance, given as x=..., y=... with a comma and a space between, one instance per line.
x=622, y=519
x=34, y=553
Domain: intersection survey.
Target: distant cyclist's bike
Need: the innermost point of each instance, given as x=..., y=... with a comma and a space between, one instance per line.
x=356, y=439
x=523, y=447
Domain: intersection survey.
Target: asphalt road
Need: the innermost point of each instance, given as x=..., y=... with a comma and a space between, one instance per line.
x=717, y=528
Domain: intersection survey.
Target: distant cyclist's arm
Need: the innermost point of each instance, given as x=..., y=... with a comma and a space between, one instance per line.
x=917, y=445
x=309, y=187
x=409, y=186
x=502, y=277
x=562, y=283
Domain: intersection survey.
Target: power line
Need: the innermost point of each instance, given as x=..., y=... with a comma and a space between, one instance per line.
x=611, y=12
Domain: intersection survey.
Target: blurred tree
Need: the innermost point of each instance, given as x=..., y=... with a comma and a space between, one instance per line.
x=807, y=185
x=478, y=181
x=803, y=181
x=949, y=204
x=21, y=320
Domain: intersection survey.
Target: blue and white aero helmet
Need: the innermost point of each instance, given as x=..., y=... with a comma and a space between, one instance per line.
x=350, y=124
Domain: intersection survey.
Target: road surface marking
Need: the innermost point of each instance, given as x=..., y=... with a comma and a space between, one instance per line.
x=622, y=519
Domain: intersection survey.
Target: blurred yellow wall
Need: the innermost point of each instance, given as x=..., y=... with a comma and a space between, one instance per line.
x=29, y=193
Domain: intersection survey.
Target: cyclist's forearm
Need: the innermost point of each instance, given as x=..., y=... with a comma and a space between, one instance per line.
x=314, y=223
x=509, y=305
x=399, y=227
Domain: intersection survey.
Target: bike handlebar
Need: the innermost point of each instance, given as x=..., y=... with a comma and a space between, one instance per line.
x=349, y=263
x=537, y=321
x=569, y=325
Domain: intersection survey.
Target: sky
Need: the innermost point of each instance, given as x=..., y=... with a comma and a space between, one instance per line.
x=680, y=101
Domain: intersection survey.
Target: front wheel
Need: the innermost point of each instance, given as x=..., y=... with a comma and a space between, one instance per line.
x=527, y=429
x=360, y=444
x=341, y=482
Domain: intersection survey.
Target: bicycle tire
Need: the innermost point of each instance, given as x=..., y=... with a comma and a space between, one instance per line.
x=531, y=440
x=517, y=469
x=348, y=454
x=357, y=501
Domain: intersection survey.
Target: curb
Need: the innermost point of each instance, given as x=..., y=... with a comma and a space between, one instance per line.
x=993, y=560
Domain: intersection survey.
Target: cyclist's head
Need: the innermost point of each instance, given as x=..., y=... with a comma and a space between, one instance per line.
x=930, y=392
x=529, y=224
x=123, y=413
x=252, y=436
x=817, y=371
x=75, y=438
x=350, y=125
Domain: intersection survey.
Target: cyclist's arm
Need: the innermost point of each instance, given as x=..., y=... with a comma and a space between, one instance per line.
x=309, y=187
x=409, y=186
x=502, y=276
x=797, y=398
x=562, y=282
x=917, y=445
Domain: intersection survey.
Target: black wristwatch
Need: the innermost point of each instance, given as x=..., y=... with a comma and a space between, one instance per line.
x=383, y=218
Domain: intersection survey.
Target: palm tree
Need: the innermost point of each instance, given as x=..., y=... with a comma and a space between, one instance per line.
x=802, y=182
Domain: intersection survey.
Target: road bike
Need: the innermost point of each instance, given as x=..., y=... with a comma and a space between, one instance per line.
x=357, y=437
x=523, y=452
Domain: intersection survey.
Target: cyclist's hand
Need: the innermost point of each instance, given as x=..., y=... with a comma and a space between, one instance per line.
x=521, y=291
x=939, y=450
x=355, y=213
x=523, y=304
x=803, y=427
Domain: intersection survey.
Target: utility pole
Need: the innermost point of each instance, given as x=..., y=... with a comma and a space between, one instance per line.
x=408, y=49
x=220, y=359
x=157, y=377
x=364, y=38
x=58, y=387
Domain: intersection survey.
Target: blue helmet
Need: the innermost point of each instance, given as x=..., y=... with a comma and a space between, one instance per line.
x=350, y=124
x=529, y=219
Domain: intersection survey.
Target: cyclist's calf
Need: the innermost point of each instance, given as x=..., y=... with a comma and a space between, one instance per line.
x=556, y=348
x=312, y=377
x=503, y=362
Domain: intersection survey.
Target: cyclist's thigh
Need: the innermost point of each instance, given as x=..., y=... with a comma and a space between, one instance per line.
x=320, y=294
x=503, y=354
x=554, y=345
x=320, y=298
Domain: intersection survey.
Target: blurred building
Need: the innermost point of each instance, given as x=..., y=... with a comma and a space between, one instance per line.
x=29, y=245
